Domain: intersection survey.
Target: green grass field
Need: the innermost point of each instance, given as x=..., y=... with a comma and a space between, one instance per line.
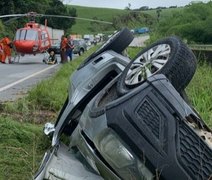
x=82, y=27
x=21, y=148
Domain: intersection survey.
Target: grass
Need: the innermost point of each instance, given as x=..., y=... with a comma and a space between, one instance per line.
x=22, y=143
x=199, y=91
x=21, y=148
x=106, y=14
x=83, y=27
x=133, y=51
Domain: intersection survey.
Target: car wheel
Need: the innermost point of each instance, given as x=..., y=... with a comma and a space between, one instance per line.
x=169, y=56
x=117, y=42
x=81, y=52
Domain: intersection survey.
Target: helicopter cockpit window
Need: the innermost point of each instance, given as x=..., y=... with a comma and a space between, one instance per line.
x=31, y=34
x=17, y=35
x=26, y=34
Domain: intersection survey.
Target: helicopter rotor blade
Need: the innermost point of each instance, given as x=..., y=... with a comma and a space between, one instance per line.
x=33, y=14
x=11, y=20
x=12, y=15
x=79, y=18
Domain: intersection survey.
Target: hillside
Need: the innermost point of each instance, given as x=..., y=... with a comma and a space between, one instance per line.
x=83, y=27
x=120, y=18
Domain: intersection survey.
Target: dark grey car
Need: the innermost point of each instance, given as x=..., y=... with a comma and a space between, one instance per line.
x=125, y=121
x=55, y=47
x=80, y=46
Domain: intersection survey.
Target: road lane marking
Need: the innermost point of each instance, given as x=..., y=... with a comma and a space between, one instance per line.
x=28, y=77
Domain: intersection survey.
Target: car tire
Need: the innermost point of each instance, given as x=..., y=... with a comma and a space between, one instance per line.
x=169, y=56
x=118, y=43
x=81, y=51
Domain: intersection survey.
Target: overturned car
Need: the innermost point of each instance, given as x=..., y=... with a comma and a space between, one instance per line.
x=130, y=119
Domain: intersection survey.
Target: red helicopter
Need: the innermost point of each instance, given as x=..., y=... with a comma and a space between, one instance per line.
x=32, y=38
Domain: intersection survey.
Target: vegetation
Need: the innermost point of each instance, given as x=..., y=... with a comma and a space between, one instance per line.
x=119, y=18
x=199, y=91
x=86, y=27
x=21, y=148
x=191, y=23
x=54, y=7
x=133, y=19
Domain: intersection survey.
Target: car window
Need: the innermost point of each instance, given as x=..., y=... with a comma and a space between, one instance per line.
x=76, y=42
x=56, y=44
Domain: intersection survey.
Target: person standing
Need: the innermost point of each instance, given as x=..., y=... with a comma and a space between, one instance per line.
x=63, y=46
x=70, y=47
x=2, y=56
x=7, y=45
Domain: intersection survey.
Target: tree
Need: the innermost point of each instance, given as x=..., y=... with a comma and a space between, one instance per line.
x=192, y=23
x=56, y=7
x=128, y=7
x=52, y=7
x=158, y=13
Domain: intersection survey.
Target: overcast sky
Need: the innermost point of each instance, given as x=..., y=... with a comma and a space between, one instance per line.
x=121, y=4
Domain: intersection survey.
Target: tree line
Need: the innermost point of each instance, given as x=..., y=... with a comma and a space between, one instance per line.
x=192, y=23
x=51, y=7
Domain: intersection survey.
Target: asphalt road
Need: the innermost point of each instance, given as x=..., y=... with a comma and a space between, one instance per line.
x=16, y=79
x=139, y=41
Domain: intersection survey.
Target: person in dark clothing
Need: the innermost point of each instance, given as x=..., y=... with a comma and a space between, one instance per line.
x=63, y=46
x=52, y=59
x=69, y=47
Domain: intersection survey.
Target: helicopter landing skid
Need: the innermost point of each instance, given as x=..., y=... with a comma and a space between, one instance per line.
x=16, y=58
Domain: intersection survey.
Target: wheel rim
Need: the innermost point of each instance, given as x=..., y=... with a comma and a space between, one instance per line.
x=147, y=64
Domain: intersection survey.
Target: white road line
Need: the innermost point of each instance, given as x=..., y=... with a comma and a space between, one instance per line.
x=28, y=77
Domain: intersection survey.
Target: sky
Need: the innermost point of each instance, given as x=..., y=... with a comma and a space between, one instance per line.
x=135, y=4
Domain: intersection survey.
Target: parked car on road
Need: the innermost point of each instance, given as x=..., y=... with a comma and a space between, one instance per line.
x=80, y=46
x=142, y=30
x=55, y=47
